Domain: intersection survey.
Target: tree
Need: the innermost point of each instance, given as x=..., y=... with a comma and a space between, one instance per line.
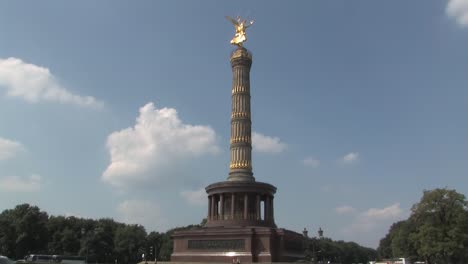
x=155, y=240
x=401, y=244
x=385, y=246
x=23, y=230
x=7, y=235
x=55, y=226
x=70, y=242
x=436, y=231
x=166, y=249
x=324, y=249
x=441, y=234
x=130, y=241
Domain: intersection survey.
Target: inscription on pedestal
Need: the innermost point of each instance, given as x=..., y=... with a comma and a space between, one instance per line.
x=217, y=244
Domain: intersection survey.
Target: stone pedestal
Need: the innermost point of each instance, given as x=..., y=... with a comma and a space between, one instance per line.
x=248, y=244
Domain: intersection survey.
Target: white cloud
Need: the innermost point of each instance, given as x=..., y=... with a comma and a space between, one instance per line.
x=35, y=84
x=158, y=142
x=345, y=209
x=458, y=9
x=20, y=184
x=373, y=218
x=266, y=144
x=197, y=197
x=350, y=158
x=9, y=148
x=311, y=162
x=389, y=212
x=368, y=226
x=142, y=212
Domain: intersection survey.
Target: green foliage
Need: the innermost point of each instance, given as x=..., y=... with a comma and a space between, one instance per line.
x=27, y=230
x=155, y=240
x=400, y=243
x=436, y=231
x=166, y=247
x=23, y=229
x=130, y=242
x=324, y=250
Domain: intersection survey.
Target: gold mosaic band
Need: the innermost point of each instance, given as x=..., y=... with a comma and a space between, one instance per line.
x=241, y=165
x=240, y=114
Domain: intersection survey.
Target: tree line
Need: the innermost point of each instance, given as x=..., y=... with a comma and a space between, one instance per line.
x=28, y=230
x=435, y=232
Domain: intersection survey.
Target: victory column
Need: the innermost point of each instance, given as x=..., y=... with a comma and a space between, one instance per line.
x=240, y=221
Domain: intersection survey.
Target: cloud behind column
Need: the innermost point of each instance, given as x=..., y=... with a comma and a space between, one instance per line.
x=267, y=144
x=158, y=142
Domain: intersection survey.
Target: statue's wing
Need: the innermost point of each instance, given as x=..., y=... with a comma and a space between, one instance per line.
x=249, y=24
x=233, y=21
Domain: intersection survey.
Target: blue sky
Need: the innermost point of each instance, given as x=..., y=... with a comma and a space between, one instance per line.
x=121, y=108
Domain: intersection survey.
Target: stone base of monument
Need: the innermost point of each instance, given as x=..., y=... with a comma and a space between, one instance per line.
x=232, y=244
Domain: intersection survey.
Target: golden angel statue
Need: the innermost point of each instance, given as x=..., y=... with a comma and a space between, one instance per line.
x=240, y=25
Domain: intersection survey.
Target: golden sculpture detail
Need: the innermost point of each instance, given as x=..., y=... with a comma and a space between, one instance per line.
x=240, y=25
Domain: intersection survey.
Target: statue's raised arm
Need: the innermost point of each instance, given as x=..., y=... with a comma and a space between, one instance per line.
x=240, y=26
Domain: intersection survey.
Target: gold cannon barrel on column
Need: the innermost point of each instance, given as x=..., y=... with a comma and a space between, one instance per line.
x=240, y=168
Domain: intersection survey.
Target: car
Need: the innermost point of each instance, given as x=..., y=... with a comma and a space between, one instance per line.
x=6, y=260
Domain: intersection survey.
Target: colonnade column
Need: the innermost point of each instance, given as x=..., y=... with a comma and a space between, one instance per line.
x=272, y=209
x=258, y=214
x=216, y=208
x=246, y=206
x=213, y=207
x=233, y=204
x=267, y=208
x=221, y=204
x=209, y=207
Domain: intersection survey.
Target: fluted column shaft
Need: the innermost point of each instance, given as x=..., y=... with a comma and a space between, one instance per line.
x=241, y=138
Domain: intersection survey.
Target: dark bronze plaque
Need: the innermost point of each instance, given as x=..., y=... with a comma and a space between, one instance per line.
x=217, y=244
